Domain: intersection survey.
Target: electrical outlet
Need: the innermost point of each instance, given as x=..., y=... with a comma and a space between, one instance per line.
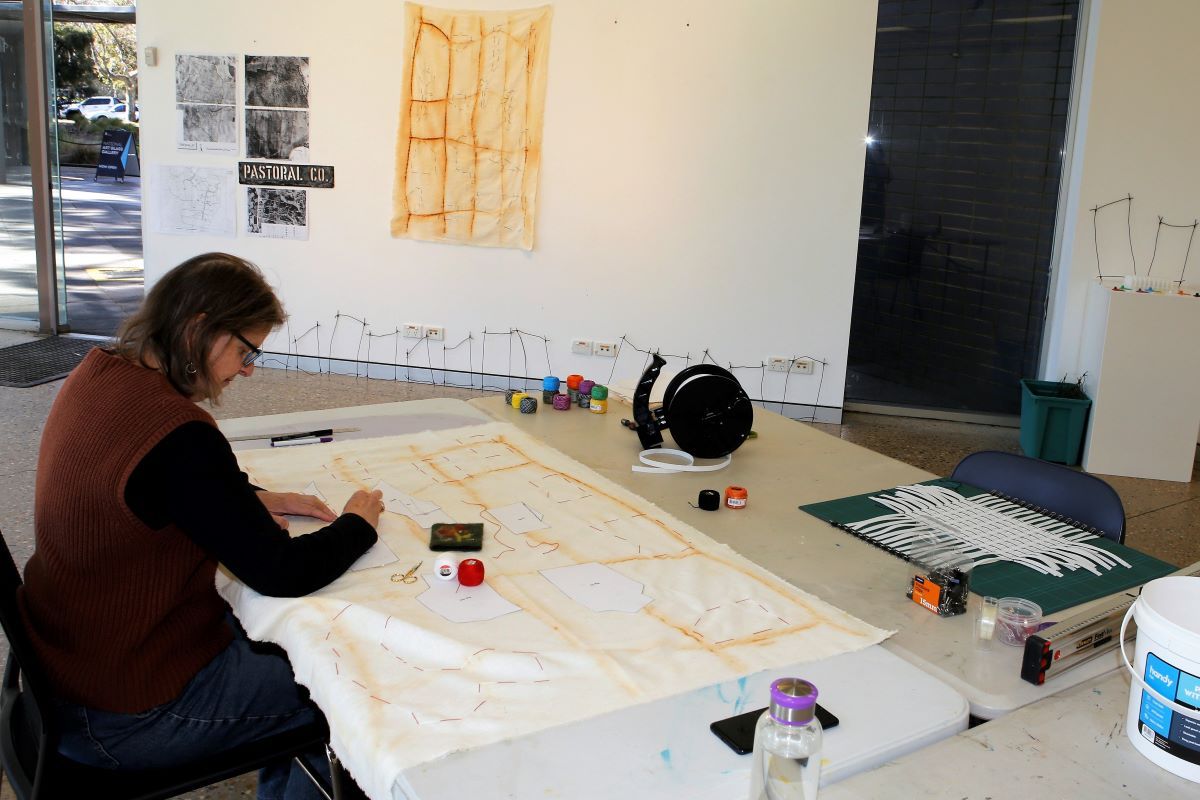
x=412, y=331
x=778, y=364
x=802, y=366
x=436, y=333
x=581, y=347
x=606, y=349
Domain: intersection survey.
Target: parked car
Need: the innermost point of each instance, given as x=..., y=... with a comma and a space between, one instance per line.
x=120, y=111
x=93, y=107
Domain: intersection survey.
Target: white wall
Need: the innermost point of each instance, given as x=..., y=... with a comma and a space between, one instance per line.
x=1136, y=136
x=700, y=185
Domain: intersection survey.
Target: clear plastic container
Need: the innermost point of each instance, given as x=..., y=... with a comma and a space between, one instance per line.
x=787, y=744
x=1016, y=619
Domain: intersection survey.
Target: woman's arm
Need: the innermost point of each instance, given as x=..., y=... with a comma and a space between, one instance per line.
x=192, y=479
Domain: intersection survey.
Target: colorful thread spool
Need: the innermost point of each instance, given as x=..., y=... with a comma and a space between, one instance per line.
x=528, y=405
x=517, y=397
x=549, y=389
x=446, y=566
x=709, y=499
x=735, y=497
x=508, y=397
x=599, y=403
x=585, y=393
x=573, y=382
x=470, y=572
x=562, y=402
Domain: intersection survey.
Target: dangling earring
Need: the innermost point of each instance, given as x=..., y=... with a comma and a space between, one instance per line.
x=189, y=368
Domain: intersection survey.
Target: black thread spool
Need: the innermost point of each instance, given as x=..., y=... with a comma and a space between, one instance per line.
x=709, y=500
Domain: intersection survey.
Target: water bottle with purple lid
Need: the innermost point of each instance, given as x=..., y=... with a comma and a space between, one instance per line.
x=787, y=744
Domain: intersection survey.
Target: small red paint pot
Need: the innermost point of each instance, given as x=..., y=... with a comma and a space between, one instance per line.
x=470, y=572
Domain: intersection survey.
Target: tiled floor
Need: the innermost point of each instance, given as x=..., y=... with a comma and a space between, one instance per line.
x=1164, y=517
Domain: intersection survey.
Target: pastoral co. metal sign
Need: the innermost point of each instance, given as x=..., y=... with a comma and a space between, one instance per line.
x=313, y=176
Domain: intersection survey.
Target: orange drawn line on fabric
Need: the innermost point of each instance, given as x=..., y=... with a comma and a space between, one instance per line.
x=380, y=699
x=476, y=708
x=723, y=641
x=759, y=633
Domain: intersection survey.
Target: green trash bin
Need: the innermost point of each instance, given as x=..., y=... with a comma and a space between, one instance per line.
x=1053, y=420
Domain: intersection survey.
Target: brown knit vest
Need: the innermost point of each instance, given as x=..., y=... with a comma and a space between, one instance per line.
x=122, y=616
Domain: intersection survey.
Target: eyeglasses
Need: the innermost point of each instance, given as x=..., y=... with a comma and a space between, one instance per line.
x=254, y=353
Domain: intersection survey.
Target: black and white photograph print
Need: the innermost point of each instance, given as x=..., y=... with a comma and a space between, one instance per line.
x=277, y=213
x=278, y=135
x=277, y=81
x=207, y=128
x=205, y=79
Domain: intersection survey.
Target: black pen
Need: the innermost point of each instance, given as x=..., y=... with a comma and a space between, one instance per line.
x=305, y=435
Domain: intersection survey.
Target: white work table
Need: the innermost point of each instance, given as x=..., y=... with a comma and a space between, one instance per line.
x=1070, y=745
x=791, y=464
x=664, y=748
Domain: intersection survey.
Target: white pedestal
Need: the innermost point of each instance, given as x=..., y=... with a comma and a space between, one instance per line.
x=1143, y=356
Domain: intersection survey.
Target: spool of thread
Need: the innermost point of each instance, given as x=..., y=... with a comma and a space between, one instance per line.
x=446, y=566
x=599, y=403
x=584, y=400
x=508, y=397
x=735, y=497
x=585, y=387
x=470, y=572
x=548, y=397
x=573, y=381
x=528, y=405
x=517, y=398
x=709, y=499
x=550, y=384
x=562, y=402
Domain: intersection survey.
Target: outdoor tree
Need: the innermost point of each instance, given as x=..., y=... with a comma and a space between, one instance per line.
x=114, y=54
x=74, y=70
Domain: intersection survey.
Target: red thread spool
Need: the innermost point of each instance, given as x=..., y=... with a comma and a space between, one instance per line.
x=735, y=497
x=470, y=572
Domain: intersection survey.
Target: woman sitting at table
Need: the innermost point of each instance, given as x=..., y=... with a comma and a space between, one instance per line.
x=138, y=498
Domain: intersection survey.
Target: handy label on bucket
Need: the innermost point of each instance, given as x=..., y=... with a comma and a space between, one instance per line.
x=1177, y=734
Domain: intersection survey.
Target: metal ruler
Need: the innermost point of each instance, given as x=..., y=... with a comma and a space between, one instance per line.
x=1091, y=629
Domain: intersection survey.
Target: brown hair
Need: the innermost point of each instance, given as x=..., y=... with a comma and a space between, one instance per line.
x=203, y=298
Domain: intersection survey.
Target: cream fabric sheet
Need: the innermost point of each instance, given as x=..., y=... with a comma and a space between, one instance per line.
x=469, y=145
x=594, y=599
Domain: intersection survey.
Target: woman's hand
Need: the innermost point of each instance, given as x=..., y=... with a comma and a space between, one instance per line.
x=301, y=505
x=368, y=505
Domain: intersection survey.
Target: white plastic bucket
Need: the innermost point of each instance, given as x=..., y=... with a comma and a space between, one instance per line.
x=1163, y=722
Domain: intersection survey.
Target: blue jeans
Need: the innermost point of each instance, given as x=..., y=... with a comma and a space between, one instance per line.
x=240, y=696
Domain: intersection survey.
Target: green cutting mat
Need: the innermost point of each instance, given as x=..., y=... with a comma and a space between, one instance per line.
x=1005, y=579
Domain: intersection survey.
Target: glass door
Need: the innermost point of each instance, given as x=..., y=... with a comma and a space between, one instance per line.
x=28, y=157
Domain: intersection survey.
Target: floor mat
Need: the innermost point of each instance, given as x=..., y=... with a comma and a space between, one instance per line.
x=30, y=363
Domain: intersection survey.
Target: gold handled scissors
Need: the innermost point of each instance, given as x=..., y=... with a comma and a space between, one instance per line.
x=407, y=577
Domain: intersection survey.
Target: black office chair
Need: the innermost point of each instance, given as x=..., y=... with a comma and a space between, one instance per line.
x=29, y=741
x=1082, y=497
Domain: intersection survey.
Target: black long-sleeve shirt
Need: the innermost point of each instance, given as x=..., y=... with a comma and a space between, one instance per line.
x=192, y=479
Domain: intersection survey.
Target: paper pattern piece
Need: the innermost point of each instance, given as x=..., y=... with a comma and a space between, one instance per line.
x=469, y=146
x=407, y=673
x=518, y=518
x=458, y=603
x=194, y=201
x=277, y=213
x=598, y=587
x=205, y=110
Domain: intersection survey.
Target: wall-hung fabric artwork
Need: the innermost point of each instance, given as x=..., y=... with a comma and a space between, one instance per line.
x=470, y=140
